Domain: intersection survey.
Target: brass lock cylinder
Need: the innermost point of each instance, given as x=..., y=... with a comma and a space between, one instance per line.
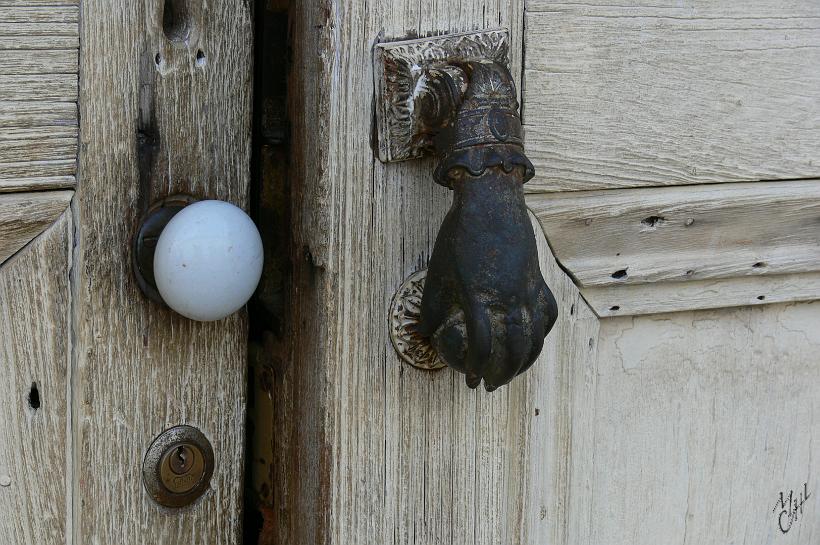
x=178, y=467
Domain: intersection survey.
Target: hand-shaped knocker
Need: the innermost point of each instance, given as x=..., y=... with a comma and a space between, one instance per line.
x=485, y=308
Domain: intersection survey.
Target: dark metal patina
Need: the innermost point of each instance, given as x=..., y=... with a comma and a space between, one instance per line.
x=145, y=241
x=485, y=307
x=178, y=466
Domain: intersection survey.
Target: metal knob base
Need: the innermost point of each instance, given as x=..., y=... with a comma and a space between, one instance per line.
x=145, y=241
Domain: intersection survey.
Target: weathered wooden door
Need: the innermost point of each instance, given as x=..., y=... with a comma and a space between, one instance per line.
x=106, y=107
x=676, y=206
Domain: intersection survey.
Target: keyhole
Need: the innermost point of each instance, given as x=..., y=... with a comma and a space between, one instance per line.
x=181, y=460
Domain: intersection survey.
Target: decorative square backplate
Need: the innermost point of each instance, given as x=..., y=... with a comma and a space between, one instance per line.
x=397, y=68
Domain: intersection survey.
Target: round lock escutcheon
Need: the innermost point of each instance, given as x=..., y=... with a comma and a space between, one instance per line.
x=178, y=466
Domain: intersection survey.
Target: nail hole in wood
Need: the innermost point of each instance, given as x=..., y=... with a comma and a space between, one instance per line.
x=572, y=310
x=176, y=20
x=158, y=59
x=537, y=412
x=613, y=308
x=759, y=265
x=200, y=58
x=690, y=272
x=34, y=397
x=619, y=274
x=653, y=221
x=761, y=297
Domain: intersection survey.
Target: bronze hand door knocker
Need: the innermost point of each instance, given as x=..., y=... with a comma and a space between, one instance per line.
x=485, y=308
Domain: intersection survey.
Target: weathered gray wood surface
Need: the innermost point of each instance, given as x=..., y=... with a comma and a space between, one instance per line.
x=37, y=61
x=701, y=419
x=684, y=233
x=656, y=94
x=647, y=93
x=35, y=349
x=395, y=455
x=39, y=87
x=38, y=94
x=636, y=251
x=155, y=120
x=399, y=456
x=23, y=216
x=654, y=298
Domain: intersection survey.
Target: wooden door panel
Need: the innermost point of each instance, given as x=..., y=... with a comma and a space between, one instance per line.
x=623, y=98
x=701, y=419
x=38, y=151
x=644, y=93
x=35, y=357
x=164, y=110
x=402, y=456
x=645, y=250
x=626, y=430
x=395, y=455
x=689, y=424
x=39, y=44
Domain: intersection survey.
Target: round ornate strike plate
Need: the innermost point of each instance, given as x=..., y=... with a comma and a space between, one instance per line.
x=405, y=313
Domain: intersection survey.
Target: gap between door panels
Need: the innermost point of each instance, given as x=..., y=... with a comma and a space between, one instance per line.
x=270, y=209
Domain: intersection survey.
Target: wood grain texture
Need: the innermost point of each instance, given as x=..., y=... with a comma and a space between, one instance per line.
x=30, y=3
x=48, y=30
x=633, y=236
x=29, y=183
x=650, y=250
x=48, y=88
x=53, y=13
x=556, y=392
x=23, y=216
x=700, y=420
x=35, y=350
x=662, y=297
x=396, y=455
x=29, y=42
x=52, y=164
x=150, y=129
x=31, y=114
x=39, y=133
x=667, y=93
x=39, y=44
x=63, y=167
x=50, y=149
x=46, y=61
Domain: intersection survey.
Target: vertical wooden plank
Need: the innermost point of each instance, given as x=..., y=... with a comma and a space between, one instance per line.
x=34, y=352
x=395, y=455
x=557, y=392
x=163, y=111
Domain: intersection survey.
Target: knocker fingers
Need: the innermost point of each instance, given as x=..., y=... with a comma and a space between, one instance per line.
x=479, y=340
x=512, y=350
x=536, y=339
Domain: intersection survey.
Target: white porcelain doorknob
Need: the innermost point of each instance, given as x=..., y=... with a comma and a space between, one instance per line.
x=208, y=260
